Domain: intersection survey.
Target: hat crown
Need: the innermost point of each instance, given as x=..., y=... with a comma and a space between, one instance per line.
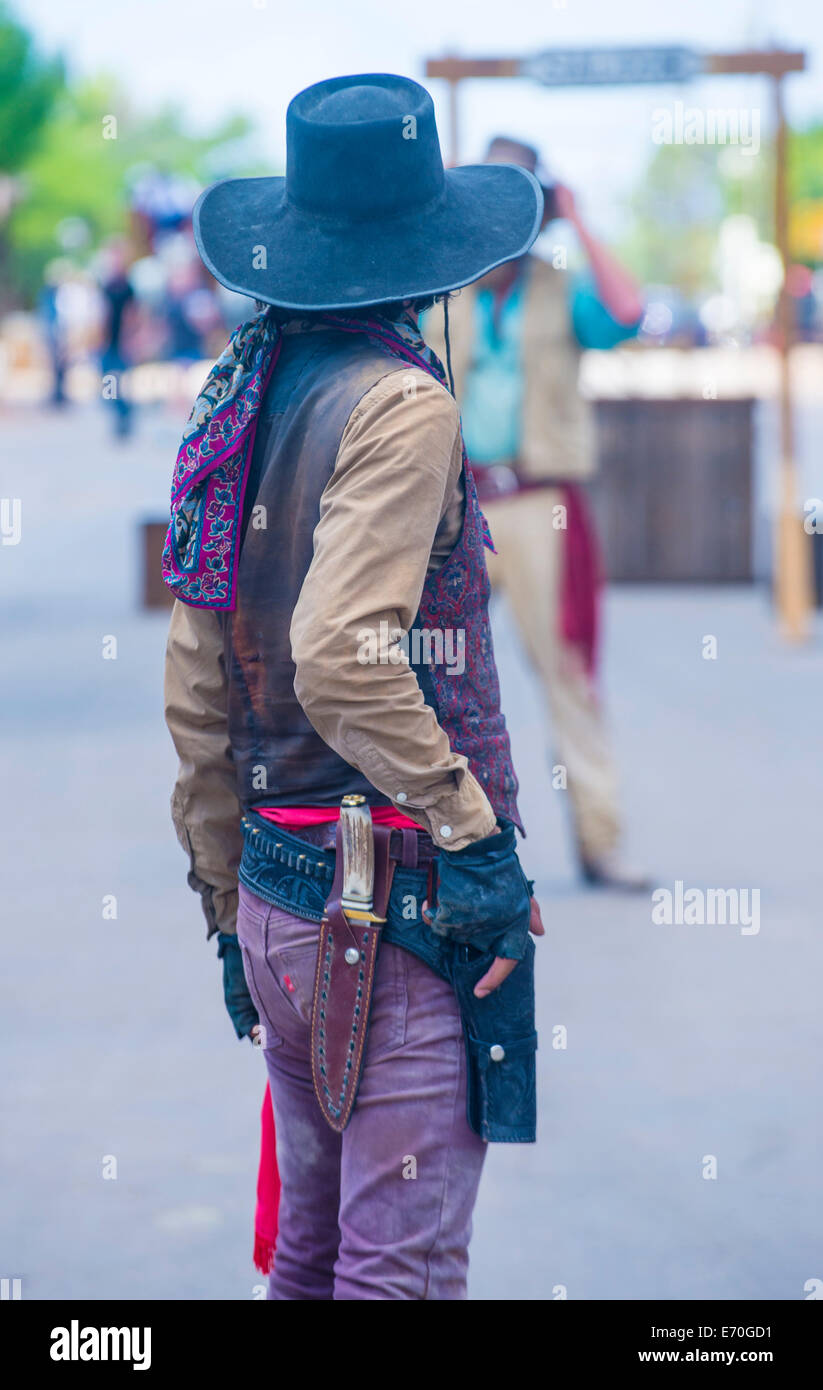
x=362, y=146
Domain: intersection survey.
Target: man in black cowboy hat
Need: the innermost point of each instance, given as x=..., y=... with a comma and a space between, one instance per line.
x=330, y=640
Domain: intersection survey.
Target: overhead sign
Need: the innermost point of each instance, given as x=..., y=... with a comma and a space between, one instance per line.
x=588, y=67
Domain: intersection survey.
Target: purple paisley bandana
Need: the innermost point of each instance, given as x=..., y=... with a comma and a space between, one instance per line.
x=202, y=544
x=202, y=547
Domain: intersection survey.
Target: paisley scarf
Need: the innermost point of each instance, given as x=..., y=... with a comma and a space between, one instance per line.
x=202, y=548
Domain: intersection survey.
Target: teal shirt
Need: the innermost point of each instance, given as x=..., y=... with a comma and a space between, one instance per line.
x=593, y=325
x=493, y=391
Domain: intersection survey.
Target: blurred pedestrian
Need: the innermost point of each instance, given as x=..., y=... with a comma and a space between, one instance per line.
x=118, y=297
x=516, y=339
x=51, y=312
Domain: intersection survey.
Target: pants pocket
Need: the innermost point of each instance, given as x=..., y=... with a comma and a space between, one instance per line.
x=268, y=1036
x=279, y=956
x=291, y=970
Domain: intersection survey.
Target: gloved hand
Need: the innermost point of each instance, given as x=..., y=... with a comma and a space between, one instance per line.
x=239, y=1002
x=483, y=896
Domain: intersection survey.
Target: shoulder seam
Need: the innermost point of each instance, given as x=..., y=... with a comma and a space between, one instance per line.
x=381, y=388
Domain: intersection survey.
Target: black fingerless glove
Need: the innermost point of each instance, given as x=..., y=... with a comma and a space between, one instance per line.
x=239, y=1002
x=483, y=896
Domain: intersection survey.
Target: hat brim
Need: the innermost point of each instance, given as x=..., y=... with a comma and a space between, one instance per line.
x=256, y=243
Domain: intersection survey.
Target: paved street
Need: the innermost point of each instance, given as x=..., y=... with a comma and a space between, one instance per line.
x=683, y=1041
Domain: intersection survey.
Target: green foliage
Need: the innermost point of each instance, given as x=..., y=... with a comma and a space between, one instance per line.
x=78, y=172
x=685, y=194
x=687, y=190
x=806, y=163
x=29, y=85
x=675, y=213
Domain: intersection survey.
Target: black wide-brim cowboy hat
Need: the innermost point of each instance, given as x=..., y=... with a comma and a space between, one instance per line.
x=366, y=213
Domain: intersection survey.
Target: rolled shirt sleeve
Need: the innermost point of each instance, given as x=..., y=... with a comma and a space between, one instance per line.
x=391, y=511
x=205, y=807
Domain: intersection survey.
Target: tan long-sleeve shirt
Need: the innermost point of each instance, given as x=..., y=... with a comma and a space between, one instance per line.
x=390, y=513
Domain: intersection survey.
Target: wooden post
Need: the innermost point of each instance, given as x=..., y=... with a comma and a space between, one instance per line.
x=792, y=551
x=452, y=70
x=454, y=116
x=155, y=593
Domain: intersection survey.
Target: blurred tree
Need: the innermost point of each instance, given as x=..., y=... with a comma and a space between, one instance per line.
x=93, y=145
x=689, y=189
x=806, y=163
x=29, y=85
x=675, y=215
x=806, y=195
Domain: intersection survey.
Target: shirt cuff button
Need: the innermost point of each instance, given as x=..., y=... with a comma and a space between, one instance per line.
x=445, y=831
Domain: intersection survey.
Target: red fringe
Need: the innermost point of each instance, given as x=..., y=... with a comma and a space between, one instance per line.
x=268, y=1191
x=263, y=1254
x=581, y=577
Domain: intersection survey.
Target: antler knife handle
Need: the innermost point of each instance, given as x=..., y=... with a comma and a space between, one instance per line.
x=358, y=853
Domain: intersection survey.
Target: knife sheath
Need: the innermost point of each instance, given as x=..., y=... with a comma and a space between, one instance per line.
x=343, y=987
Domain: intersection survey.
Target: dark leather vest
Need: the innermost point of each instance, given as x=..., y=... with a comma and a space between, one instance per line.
x=280, y=760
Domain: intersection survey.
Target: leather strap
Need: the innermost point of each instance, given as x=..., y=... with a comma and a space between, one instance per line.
x=408, y=856
x=384, y=863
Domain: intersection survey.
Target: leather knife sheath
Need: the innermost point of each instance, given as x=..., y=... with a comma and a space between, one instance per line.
x=344, y=983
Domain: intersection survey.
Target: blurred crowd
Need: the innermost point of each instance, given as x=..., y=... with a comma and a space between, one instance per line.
x=142, y=297
x=740, y=312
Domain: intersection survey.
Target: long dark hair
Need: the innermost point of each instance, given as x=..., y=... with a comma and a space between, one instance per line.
x=391, y=311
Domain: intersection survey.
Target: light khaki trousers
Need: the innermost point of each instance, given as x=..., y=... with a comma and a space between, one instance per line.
x=527, y=569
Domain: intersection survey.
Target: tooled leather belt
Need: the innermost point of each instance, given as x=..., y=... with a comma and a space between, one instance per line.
x=296, y=872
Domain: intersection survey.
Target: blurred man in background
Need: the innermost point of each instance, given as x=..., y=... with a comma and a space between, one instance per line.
x=118, y=298
x=54, y=327
x=516, y=337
